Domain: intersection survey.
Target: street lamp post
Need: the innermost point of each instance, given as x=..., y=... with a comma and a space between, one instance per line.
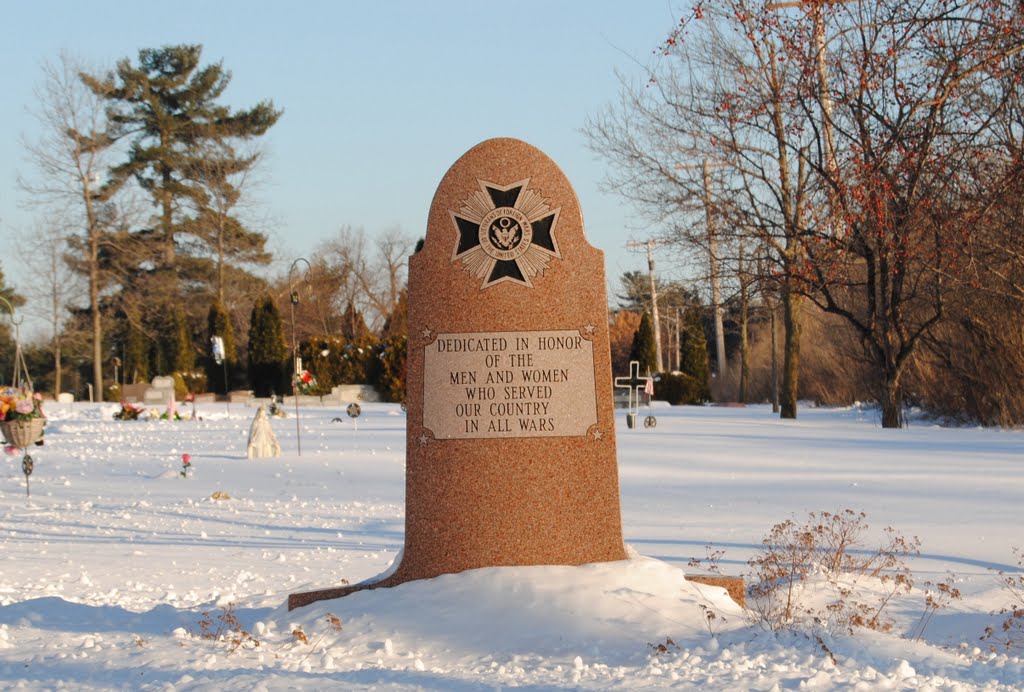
x=293, y=298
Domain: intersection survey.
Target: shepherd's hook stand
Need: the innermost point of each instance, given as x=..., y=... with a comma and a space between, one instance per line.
x=293, y=297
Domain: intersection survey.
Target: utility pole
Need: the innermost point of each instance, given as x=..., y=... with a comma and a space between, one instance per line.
x=654, y=297
x=821, y=67
x=712, y=240
x=716, y=290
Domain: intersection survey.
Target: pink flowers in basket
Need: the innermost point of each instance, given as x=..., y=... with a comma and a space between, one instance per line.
x=17, y=404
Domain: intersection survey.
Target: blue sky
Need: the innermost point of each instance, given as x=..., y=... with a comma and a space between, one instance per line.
x=380, y=98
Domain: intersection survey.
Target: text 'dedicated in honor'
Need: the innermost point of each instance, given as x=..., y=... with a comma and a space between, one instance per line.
x=509, y=384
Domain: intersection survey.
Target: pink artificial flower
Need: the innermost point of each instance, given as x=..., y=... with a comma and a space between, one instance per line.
x=10, y=450
x=24, y=407
x=185, y=458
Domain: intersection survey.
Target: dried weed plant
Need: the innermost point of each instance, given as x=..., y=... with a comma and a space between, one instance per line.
x=830, y=546
x=1010, y=635
x=224, y=627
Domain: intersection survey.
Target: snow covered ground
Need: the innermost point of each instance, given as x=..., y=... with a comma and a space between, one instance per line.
x=115, y=568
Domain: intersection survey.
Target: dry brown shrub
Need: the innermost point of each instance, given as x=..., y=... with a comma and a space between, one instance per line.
x=972, y=367
x=832, y=546
x=832, y=368
x=1010, y=634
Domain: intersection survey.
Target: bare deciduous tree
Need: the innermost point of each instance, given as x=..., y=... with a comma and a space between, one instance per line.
x=369, y=278
x=725, y=91
x=55, y=285
x=909, y=125
x=69, y=163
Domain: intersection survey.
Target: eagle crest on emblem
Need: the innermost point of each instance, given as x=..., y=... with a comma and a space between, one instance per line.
x=505, y=233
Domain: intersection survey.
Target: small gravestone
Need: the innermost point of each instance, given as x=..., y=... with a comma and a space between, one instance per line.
x=348, y=392
x=510, y=438
x=262, y=440
x=160, y=391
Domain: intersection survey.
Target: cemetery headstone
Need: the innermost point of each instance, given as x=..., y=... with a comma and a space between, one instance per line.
x=341, y=393
x=510, y=436
x=160, y=392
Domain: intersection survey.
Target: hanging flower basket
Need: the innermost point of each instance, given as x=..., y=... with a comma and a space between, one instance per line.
x=23, y=432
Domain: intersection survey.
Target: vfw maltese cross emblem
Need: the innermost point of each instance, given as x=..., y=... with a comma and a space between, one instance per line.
x=505, y=233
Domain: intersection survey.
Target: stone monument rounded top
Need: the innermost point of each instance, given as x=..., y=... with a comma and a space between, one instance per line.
x=510, y=433
x=510, y=430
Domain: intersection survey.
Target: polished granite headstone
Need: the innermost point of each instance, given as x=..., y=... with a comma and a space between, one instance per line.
x=510, y=437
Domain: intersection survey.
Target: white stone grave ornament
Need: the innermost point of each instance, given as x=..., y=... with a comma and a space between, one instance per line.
x=262, y=441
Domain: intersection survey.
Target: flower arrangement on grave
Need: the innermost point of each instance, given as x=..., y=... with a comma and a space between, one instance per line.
x=20, y=404
x=21, y=417
x=276, y=409
x=304, y=382
x=171, y=413
x=129, y=412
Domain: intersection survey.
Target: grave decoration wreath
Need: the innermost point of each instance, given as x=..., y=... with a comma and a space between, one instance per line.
x=304, y=382
x=128, y=412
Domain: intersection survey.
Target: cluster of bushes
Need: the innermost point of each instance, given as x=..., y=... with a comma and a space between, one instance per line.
x=366, y=360
x=680, y=388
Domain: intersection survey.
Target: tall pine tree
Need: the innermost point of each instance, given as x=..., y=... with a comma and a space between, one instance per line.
x=183, y=154
x=643, y=350
x=693, y=354
x=268, y=352
x=219, y=375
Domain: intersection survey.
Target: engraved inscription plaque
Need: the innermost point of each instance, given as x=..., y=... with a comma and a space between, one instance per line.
x=509, y=384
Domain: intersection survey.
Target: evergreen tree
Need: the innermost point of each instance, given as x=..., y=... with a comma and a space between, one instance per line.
x=643, y=350
x=220, y=174
x=693, y=353
x=168, y=105
x=397, y=323
x=136, y=365
x=184, y=353
x=219, y=375
x=358, y=364
x=392, y=353
x=184, y=154
x=268, y=352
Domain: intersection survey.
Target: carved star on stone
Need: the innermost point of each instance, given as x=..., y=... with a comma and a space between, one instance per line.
x=423, y=439
x=427, y=333
x=598, y=435
x=589, y=328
